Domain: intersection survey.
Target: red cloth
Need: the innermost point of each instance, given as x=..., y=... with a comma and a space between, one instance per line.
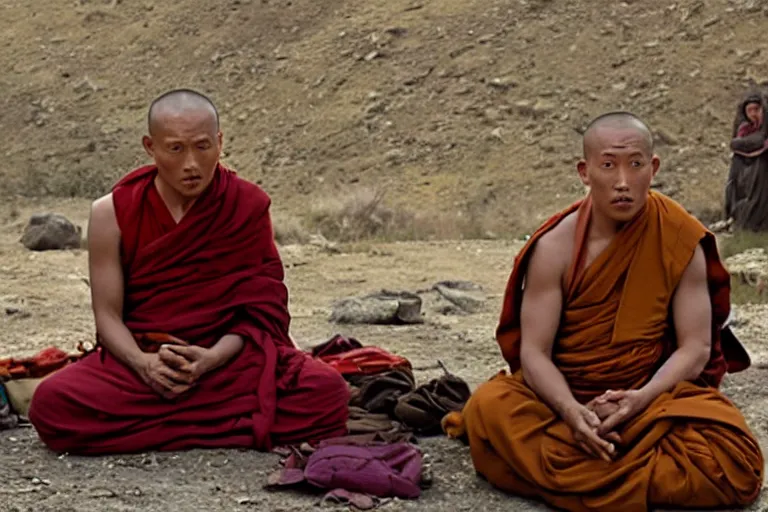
x=216, y=272
x=365, y=361
x=41, y=364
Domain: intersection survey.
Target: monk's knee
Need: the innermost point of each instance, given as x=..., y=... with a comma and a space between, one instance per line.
x=486, y=398
x=46, y=399
x=48, y=411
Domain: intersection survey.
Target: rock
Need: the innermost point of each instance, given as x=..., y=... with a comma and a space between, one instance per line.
x=464, y=294
x=324, y=244
x=496, y=133
x=51, y=231
x=102, y=493
x=395, y=156
x=666, y=136
x=543, y=106
x=554, y=144
x=86, y=85
x=503, y=83
x=396, y=31
x=384, y=307
x=750, y=266
x=492, y=114
x=485, y=38
x=377, y=107
x=721, y=226
x=524, y=107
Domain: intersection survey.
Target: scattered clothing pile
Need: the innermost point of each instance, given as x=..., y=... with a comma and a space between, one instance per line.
x=20, y=376
x=382, y=385
x=378, y=458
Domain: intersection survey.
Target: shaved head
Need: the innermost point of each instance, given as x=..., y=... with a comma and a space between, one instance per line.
x=185, y=142
x=618, y=166
x=179, y=102
x=615, y=122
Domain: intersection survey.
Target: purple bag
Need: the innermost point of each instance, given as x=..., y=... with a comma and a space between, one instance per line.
x=384, y=470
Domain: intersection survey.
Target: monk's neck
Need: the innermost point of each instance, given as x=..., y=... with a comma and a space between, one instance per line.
x=177, y=205
x=603, y=228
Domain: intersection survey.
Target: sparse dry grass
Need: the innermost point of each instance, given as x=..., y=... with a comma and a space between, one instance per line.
x=740, y=241
x=289, y=230
x=741, y=292
x=364, y=215
x=75, y=182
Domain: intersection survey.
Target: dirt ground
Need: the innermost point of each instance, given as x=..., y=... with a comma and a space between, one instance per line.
x=471, y=109
x=49, y=291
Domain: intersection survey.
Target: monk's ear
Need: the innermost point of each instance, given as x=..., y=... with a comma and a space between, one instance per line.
x=655, y=163
x=582, y=168
x=220, y=140
x=148, y=144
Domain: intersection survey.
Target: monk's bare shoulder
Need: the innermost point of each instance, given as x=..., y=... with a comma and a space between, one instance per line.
x=102, y=225
x=554, y=249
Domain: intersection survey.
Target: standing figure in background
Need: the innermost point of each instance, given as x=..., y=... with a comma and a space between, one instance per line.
x=746, y=190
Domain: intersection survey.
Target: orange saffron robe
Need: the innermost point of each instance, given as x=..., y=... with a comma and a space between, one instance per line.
x=690, y=448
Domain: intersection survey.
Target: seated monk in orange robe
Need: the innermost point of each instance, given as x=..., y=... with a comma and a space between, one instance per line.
x=611, y=327
x=191, y=313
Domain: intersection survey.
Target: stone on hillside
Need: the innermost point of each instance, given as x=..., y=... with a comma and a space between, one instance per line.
x=492, y=114
x=542, y=107
x=524, y=107
x=497, y=134
x=51, y=231
x=324, y=244
x=721, y=226
x=503, y=82
x=384, y=307
x=666, y=136
x=553, y=144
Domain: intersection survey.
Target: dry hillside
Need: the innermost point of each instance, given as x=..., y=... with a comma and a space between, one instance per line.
x=461, y=107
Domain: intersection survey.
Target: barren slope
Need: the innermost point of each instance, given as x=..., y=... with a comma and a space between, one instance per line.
x=463, y=106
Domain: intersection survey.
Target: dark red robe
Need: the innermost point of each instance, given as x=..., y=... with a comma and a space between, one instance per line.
x=215, y=272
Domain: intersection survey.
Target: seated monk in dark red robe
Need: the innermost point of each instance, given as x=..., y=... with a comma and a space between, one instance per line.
x=611, y=326
x=191, y=313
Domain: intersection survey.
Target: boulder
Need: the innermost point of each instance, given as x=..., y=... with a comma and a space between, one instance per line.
x=51, y=232
x=467, y=296
x=383, y=307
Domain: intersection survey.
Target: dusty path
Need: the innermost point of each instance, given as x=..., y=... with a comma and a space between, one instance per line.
x=49, y=290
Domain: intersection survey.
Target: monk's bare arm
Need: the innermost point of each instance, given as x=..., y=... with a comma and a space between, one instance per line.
x=540, y=318
x=692, y=316
x=225, y=349
x=107, y=286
